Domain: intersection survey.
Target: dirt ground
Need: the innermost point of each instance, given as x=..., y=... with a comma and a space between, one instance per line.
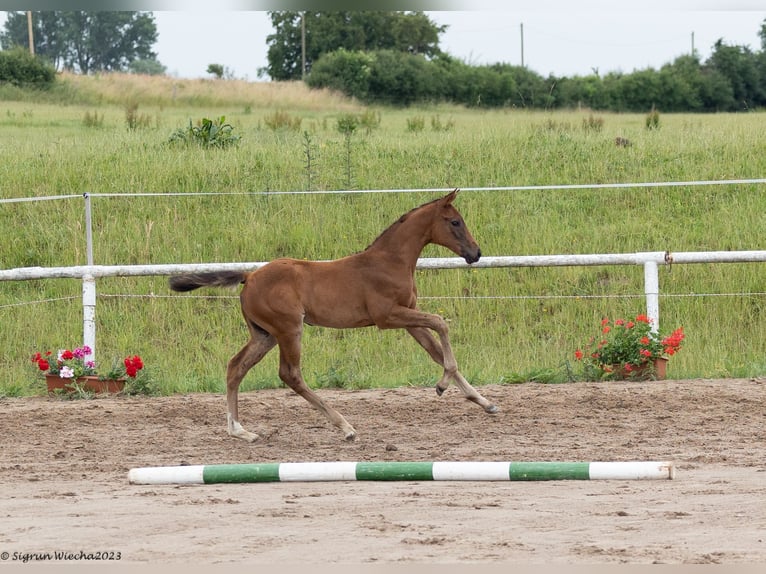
x=64, y=464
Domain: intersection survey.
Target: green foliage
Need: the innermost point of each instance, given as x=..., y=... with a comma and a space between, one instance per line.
x=353, y=33
x=94, y=120
x=733, y=78
x=369, y=120
x=216, y=70
x=282, y=120
x=347, y=123
x=206, y=133
x=142, y=384
x=416, y=124
x=310, y=159
x=20, y=68
x=347, y=72
x=506, y=325
x=148, y=67
x=652, y=121
x=593, y=124
x=624, y=346
x=332, y=379
x=133, y=119
x=438, y=125
x=85, y=41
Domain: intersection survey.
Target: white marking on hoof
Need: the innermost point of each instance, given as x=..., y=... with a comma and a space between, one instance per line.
x=235, y=430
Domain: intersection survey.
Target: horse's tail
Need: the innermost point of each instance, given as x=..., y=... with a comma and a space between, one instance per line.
x=191, y=281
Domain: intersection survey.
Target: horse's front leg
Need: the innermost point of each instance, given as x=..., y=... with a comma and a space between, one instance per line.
x=437, y=352
x=433, y=348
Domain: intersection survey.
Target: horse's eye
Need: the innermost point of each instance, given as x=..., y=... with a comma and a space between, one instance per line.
x=455, y=223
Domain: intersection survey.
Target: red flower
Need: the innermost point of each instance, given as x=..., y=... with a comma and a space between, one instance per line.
x=642, y=318
x=133, y=365
x=67, y=355
x=42, y=363
x=578, y=354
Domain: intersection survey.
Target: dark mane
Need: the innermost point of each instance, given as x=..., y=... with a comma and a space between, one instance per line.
x=391, y=228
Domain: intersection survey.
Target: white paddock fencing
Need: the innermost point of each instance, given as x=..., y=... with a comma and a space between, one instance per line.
x=651, y=261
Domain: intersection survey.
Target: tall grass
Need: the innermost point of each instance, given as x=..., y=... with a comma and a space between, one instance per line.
x=507, y=325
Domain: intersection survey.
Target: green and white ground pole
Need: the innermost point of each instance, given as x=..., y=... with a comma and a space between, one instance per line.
x=417, y=471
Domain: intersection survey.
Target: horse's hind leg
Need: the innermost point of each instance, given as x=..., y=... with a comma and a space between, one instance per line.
x=256, y=348
x=436, y=351
x=290, y=373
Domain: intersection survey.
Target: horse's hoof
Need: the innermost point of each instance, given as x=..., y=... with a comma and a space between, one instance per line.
x=491, y=409
x=439, y=391
x=351, y=436
x=246, y=436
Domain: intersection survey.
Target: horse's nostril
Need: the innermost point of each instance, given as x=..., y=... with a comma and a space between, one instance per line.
x=478, y=254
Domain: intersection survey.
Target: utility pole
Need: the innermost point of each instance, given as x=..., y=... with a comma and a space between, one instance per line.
x=693, y=44
x=31, y=36
x=522, y=44
x=303, y=45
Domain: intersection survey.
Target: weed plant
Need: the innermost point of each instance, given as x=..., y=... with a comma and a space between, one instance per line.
x=507, y=325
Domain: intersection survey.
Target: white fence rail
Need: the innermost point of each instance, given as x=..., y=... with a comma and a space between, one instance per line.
x=649, y=260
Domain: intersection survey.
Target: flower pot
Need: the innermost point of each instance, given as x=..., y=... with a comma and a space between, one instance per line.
x=654, y=370
x=90, y=383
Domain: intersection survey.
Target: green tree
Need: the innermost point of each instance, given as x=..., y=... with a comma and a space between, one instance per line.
x=409, y=32
x=216, y=70
x=147, y=67
x=761, y=59
x=739, y=66
x=85, y=41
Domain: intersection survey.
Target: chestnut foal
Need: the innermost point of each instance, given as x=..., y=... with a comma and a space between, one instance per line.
x=373, y=287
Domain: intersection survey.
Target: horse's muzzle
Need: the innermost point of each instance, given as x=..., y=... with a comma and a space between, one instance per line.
x=472, y=257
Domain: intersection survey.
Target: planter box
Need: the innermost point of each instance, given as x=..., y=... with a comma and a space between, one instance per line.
x=656, y=370
x=91, y=383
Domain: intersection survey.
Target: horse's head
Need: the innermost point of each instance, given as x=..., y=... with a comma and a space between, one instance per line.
x=449, y=230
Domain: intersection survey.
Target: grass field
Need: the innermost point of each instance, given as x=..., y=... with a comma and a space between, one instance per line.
x=76, y=140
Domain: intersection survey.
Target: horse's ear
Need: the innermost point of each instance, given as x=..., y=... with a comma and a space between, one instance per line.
x=450, y=197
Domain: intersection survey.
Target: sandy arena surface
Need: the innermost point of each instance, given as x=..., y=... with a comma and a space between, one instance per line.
x=64, y=464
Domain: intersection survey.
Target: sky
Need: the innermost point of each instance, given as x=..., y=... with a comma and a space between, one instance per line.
x=563, y=38
x=563, y=43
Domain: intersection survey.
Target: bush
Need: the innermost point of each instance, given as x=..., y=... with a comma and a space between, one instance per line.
x=416, y=124
x=347, y=72
x=20, y=68
x=133, y=119
x=653, y=119
x=207, y=133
